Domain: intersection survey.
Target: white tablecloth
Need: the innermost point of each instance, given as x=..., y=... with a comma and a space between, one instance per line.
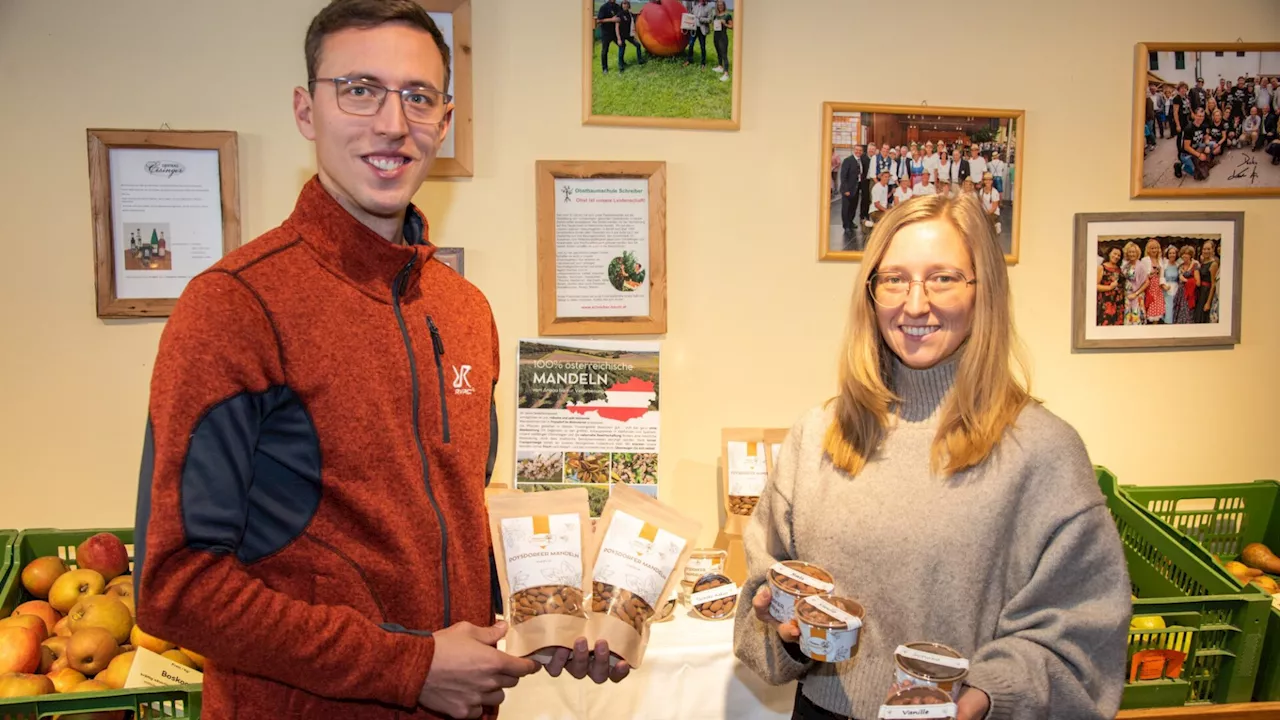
x=689, y=673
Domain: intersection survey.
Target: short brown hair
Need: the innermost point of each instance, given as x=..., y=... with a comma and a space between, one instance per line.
x=364, y=14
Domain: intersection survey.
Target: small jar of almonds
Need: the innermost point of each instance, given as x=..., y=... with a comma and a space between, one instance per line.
x=791, y=580
x=714, y=597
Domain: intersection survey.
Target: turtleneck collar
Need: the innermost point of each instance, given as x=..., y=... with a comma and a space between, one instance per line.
x=355, y=253
x=922, y=391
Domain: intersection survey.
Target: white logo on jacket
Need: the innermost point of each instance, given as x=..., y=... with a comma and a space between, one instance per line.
x=461, y=383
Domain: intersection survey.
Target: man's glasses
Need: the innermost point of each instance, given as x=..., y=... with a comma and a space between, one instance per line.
x=943, y=287
x=422, y=105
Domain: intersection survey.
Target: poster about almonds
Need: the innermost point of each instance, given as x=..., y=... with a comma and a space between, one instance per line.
x=587, y=416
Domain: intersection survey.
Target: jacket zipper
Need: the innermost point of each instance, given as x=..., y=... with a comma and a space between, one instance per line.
x=438, y=345
x=396, y=289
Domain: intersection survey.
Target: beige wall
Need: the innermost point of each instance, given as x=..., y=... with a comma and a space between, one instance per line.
x=754, y=319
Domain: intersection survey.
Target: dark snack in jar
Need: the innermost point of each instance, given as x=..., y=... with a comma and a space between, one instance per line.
x=931, y=665
x=923, y=696
x=620, y=603
x=546, y=600
x=722, y=604
x=743, y=504
x=786, y=585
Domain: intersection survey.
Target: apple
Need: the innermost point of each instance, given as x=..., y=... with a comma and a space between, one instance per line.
x=70, y=587
x=105, y=612
x=105, y=553
x=62, y=628
x=16, y=684
x=658, y=27
x=121, y=580
x=89, y=650
x=196, y=658
x=89, y=686
x=121, y=591
x=62, y=663
x=117, y=671
x=128, y=603
x=65, y=679
x=39, y=574
x=19, y=650
x=30, y=622
x=141, y=638
x=52, y=650
x=41, y=609
x=179, y=657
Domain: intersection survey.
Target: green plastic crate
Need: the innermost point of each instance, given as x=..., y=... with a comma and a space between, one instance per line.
x=1221, y=627
x=7, y=537
x=175, y=702
x=1221, y=520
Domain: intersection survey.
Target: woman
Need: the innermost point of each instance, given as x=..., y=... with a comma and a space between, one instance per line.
x=721, y=24
x=990, y=198
x=997, y=167
x=895, y=488
x=1110, y=290
x=1136, y=273
x=1169, y=275
x=1216, y=134
x=1189, y=273
x=1154, y=300
x=1206, y=292
x=917, y=169
x=904, y=191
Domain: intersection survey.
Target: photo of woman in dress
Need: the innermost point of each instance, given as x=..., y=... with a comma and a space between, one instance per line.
x=1169, y=276
x=1136, y=273
x=1110, y=290
x=1206, y=292
x=1155, y=291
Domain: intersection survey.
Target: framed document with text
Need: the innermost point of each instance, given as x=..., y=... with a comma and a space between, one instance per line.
x=166, y=206
x=602, y=231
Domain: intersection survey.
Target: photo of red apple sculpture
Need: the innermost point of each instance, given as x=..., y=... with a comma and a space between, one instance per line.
x=659, y=27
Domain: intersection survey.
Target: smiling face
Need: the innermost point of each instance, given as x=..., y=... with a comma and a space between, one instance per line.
x=1171, y=253
x=373, y=165
x=921, y=332
x=1113, y=256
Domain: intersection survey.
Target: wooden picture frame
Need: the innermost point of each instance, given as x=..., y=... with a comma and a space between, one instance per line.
x=130, y=281
x=457, y=154
x=594, y=275
x=678, y=111
x=845, y=125
x=1239, y=171
x=1099, y=286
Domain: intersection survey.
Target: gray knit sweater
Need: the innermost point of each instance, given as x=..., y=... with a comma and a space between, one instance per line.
x=1016, y=563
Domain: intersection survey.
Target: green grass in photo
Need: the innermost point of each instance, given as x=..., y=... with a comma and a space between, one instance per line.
x=662, y=87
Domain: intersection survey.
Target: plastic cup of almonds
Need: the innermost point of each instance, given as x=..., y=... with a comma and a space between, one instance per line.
x=714, y=597
x=917, y=702
x=792, y=580
x=829, y=627
x=929, y=664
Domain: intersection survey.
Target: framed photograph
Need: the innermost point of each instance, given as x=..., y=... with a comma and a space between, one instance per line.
x=662, y=63
x=1204, y=120
x=453, y=257
x=166, y=206
x=1157, y=279
x=453, y=17
x=874, y=156
x=602, y=266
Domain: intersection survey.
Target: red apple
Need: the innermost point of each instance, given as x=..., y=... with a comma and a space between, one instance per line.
x=19, y=650
x=659, y=27
x=105, y=553
x=30, y=622
x=39, y=574
x=15, y=684
x=40, y=609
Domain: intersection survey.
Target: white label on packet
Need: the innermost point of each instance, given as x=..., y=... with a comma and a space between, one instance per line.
x=714, y=594
x=747, y=470
x=697, y=567
x=958, y=663
x=637, y=556
x=801, y=577
x=894, y=712
x=851, y=621
x=543, y=550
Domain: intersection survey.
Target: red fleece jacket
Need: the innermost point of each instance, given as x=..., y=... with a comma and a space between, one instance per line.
x=311, y=503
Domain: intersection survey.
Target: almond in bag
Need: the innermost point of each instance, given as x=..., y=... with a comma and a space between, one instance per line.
x=539, y=543
x=746, y=470
x=639, y=551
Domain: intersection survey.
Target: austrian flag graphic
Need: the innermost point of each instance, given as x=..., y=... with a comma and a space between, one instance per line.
x=624, y=401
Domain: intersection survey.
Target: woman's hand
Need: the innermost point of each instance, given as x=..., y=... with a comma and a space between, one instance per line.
x=973, y=704
x=788, y=631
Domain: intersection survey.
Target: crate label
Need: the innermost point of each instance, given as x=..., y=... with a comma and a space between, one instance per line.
x=152, y=670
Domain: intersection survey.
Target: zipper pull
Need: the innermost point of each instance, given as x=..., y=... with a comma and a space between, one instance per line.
x=436, y=342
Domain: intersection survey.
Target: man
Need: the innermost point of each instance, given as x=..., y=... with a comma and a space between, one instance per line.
x=974, y=166
x=1199, y=96
x=1251, y=130
x=607, y=21
x=1162, y=107
x=703, y=13
x=852, y=170
x=626, y=35
x=311, y=510
x=1267, y=133
x=1191, y=146
x=871, y=171
x=1181, y=115
x=879, y=198
x=1241, y=98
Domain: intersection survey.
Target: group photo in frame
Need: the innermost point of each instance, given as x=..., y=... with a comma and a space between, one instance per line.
x=602, y=267
x=662, y=63
x=1204, y=120
x=874, y=156
x=456, y=155
x=1157, y=279
x=166, y=206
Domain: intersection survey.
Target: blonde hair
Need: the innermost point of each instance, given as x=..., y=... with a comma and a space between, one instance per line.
x=986, y=396
x=1136, y=250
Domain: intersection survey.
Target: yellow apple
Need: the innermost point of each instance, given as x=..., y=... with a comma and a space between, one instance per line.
x=140, y=638
x=65, y=679
x=179, y=657
x=105, y=612
x=89, y=686
x=39, y=574
x=117, y=671
x=196, y=657
x=24, y=684
x=72, y=586
x=89, y=650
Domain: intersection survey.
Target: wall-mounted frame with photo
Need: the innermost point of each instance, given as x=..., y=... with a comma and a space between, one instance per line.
x=662, y=63
x=453, y=17
x=166, y=206
x=978, y=141
x=1228, y=158
x=602, y=229
x=453, y=257
x=1195, y=261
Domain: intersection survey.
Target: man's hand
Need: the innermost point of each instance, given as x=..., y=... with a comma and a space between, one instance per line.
x=468, y=672
x=788, y=631
x=973, y=704
x=581, y=663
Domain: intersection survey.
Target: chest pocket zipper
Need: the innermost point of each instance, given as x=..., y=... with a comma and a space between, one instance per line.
x=437, y=346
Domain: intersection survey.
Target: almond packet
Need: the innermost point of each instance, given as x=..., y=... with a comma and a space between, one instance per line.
x=744, y=456
x=539, y=545
x=638, y=555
